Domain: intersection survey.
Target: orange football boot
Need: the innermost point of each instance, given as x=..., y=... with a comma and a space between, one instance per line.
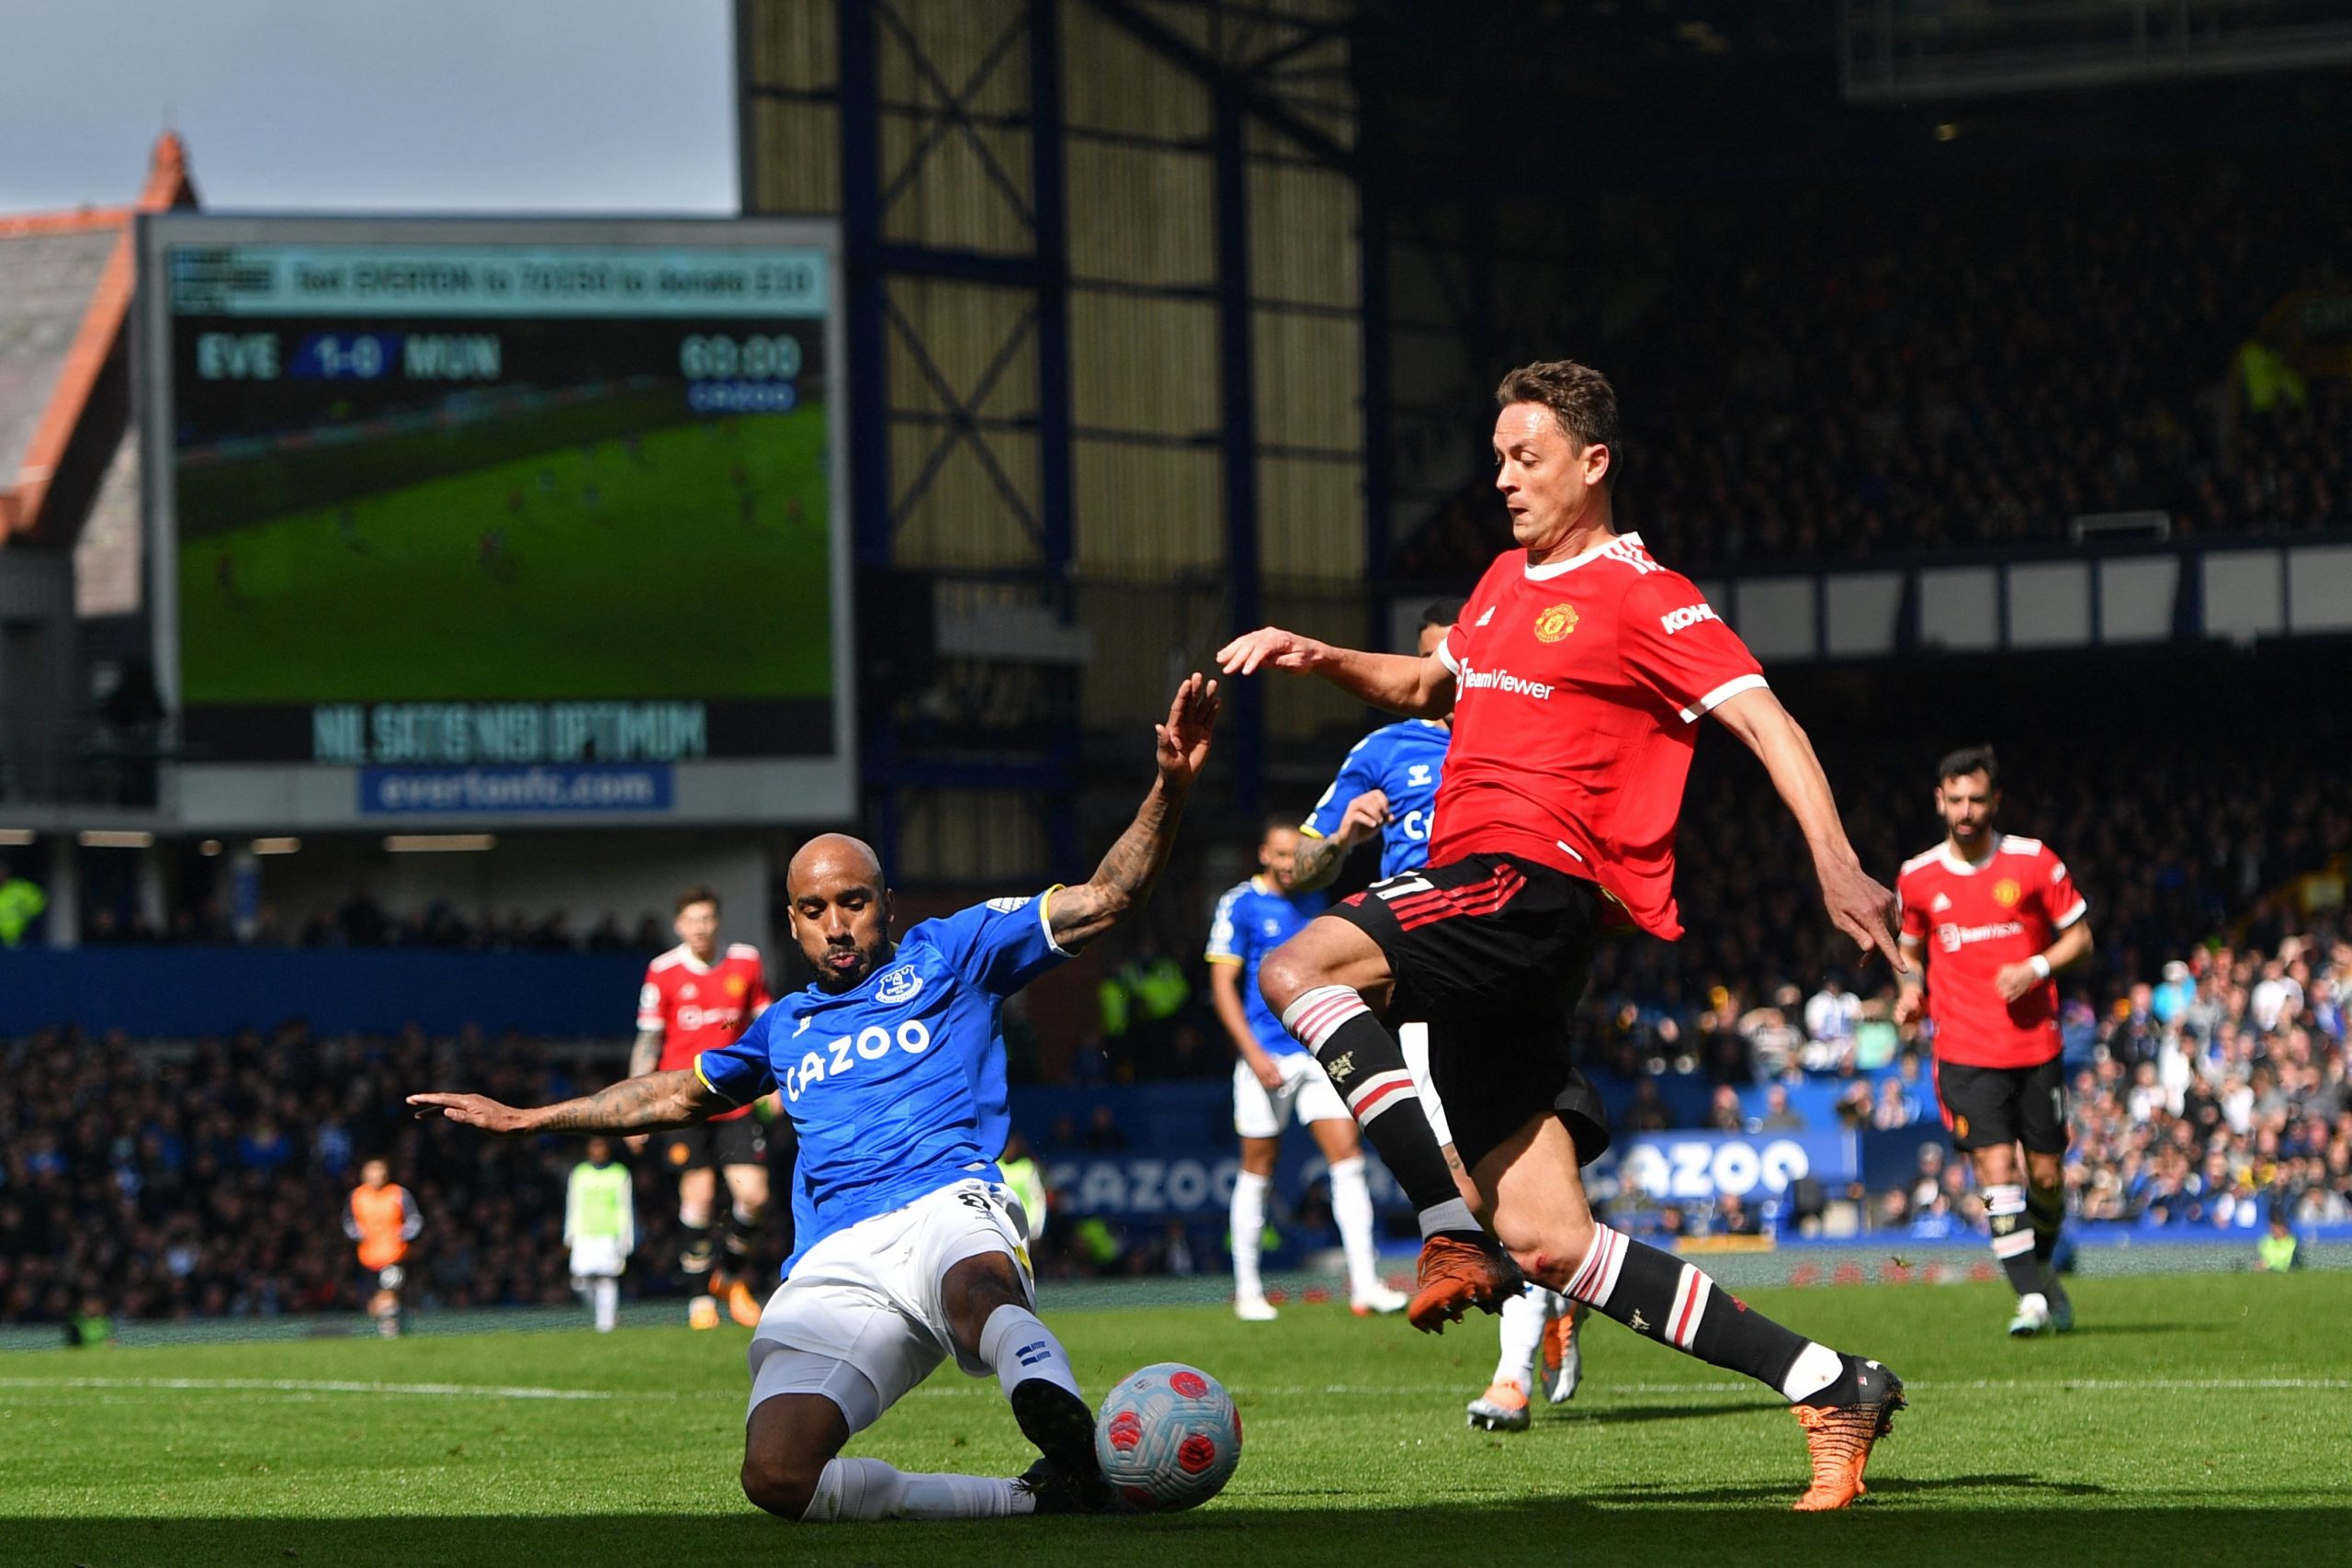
x=1839, y=1439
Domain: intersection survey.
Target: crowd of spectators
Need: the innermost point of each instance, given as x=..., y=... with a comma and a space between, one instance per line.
x=361, y=921
x=1976, y=358
x=210, y=1179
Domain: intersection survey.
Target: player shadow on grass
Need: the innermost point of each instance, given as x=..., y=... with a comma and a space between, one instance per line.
x=1607, y=1416
x=1884, y=1487
x=1902, y=1521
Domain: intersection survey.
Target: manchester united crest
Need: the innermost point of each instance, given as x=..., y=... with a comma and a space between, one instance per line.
x=1556, y=623
x=2007, y=893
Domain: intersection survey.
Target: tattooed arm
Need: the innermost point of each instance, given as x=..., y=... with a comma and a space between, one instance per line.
x=1319, y=860
x=645, y=1104
x=1078, y=915
x=646, y=1054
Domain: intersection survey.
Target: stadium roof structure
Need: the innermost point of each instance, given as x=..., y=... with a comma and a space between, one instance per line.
x=67, y=459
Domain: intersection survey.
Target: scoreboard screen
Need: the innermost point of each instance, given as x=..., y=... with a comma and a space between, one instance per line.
x=491, y=519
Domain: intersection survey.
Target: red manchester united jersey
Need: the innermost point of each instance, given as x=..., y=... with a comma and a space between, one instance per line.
x=1969, y=920
x=700, y=1007
x=1578, y=689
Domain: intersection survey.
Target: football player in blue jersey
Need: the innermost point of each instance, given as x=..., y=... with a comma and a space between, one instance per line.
x=909, y=1245
x=1387, y=787
x=1277, y=1077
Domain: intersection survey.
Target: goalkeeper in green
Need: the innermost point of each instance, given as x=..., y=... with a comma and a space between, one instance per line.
x=600, y=1226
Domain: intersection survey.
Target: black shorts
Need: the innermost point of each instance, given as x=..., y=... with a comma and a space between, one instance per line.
x=1987, y=1106
x=742, y=1141
x=1492, y=952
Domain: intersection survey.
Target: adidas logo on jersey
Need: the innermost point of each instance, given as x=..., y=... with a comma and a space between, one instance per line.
x=1484, y=618
x=1942, y=902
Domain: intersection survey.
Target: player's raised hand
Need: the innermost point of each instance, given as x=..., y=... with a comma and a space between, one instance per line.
x=1184, y=738
x=1365, y=814
x=1864, y=910
x=470, y=1111
x=1271, y=648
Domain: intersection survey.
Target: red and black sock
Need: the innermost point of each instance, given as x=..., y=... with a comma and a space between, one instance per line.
x=1367, y=1066
x=1656, y=1293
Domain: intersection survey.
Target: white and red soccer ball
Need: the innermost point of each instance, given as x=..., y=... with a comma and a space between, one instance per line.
x=1168, y=1437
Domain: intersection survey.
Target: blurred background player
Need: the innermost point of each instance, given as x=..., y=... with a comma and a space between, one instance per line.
x=1276, y=1075
x=600, y=1226
x=2005, y=915
x=1388, y=788
x=696, y=998
x=383, y=1219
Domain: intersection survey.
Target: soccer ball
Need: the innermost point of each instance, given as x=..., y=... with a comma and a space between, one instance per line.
x=1168, y=1437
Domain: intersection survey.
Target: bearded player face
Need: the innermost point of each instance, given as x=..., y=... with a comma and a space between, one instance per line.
x=1968, y=803
x=840, y=912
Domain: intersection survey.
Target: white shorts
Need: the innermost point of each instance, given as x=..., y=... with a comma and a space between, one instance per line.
x=1263, y=1112
x=595, y=1256
x=1415, y=1039
x=859, y=1319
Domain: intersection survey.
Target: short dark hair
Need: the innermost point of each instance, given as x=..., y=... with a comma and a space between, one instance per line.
x=698, y=894
x=1970, y=760
x=1580, y=399
x=1278, y=822
x=1440, y=613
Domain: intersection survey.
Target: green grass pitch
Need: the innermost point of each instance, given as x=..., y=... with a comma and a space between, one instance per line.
x=615, y=578
x=2192, y=1419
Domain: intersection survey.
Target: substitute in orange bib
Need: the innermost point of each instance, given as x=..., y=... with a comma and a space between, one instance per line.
x=383, y=1219
x=698, y=997
x=1994, y=915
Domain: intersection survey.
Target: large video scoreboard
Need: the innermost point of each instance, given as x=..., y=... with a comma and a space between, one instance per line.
x=496, y=520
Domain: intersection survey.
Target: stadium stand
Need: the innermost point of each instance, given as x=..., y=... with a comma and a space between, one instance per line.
x=175, y=1180
x=1972, y=359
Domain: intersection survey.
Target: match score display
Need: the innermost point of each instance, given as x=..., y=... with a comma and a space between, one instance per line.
x=499, y=519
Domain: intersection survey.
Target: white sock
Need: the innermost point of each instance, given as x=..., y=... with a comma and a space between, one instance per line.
x=1816, y=1366
x=866, y=1489
x=1018, y=1347
x=606, y=1294
x=1522, y=1335
x=1249, y=1221
x=1351, y=1207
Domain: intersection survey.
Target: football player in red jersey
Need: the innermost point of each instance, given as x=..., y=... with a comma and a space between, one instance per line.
x=1995, y=915
x=1576, y=677
x=697, y=999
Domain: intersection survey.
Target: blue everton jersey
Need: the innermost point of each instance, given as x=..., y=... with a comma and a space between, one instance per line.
x=896, y=1088
x=1253, y=920
x=1404, y=762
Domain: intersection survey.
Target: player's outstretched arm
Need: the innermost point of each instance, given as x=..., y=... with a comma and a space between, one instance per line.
x=646, y=1104
x=1078, y=915
x=1857, y=904
x=1405, y=684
